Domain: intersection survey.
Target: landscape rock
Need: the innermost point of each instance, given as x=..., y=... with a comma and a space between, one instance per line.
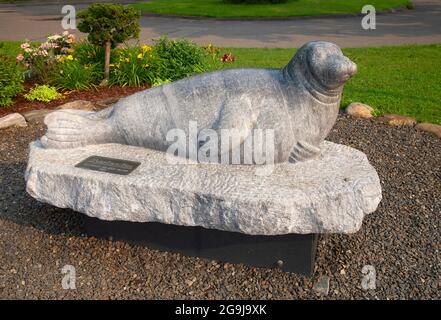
x=398, y=120
x=101, y=104
x=430, y=127
x=79, y=105
x=37, y=115
x=12, y=120
x=330, y=194
x=359, y=110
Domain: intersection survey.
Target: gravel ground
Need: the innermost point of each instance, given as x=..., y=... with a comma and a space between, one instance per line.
x=401, y=239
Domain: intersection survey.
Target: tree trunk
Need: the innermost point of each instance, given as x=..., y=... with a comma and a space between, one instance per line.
x=107, y=63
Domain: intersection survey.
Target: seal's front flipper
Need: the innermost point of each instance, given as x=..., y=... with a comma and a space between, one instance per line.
x=303, y=151
x=75, y=128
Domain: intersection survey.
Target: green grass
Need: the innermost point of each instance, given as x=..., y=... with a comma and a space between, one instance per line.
x=404, y=79
x=219, y=9
x=9, y=48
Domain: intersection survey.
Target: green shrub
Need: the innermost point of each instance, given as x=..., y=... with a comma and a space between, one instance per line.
x=133, y=66
x=255, y=1
x=43, y=93
x=11, y=80
x=108, y=25
x=70, y=74
x=177, y=59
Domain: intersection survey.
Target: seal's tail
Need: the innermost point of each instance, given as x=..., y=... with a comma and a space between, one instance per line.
x=74, y=128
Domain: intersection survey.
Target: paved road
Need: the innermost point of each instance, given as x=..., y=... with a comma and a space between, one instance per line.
x=421, y=25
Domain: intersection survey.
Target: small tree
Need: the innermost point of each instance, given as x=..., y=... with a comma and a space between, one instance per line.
x=108, y=25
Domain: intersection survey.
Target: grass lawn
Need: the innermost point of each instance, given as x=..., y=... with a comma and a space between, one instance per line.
x=219, y=9
x=9, y=48
x=404, y=79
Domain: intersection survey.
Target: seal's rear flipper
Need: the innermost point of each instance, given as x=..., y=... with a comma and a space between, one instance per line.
x=75, y=128
x=303, y=151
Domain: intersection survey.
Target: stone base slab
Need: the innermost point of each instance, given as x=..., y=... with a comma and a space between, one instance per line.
x=329, y=194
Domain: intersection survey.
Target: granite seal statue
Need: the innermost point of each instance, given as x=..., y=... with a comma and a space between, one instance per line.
x=300, y=102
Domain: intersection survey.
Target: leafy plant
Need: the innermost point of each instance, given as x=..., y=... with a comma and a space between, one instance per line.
x=160, y=82
x=72, y=75
x=178, y=58
x=43, y=93
x=11, y=80
x=133, y=66
x=108, y=25
x=88, y=53
x=218, y=61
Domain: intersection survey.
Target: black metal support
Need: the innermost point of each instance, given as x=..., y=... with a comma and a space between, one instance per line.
x=291, y=252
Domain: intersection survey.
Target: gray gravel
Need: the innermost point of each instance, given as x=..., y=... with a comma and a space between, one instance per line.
x=401, y=239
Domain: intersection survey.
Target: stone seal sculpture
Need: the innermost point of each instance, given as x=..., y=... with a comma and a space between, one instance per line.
x=299, y=102
x=331, y=193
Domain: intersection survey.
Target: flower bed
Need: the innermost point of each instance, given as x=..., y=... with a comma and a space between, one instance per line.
x=61, y=65
x=21, y=105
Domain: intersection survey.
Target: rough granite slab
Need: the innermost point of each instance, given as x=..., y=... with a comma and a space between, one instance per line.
x=330, y=194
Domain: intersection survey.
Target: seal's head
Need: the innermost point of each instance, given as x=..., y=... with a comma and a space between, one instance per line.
x=328, y=64
x=323, y=64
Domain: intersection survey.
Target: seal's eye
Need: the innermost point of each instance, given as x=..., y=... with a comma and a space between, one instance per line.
x=330, y=67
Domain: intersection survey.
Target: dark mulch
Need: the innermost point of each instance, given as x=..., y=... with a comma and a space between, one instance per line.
x=21, y=105
x=401, y=239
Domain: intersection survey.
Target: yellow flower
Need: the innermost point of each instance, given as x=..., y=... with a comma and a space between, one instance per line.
x=145, y=48
x=111, y=65
x=140, y=56
x=70, y=57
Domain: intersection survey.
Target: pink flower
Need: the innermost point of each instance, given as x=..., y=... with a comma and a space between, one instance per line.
x=45, y=46
x=20, y=58
x=25, y=45
x=54, y=37
x=27, y=65
x=70, y=38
